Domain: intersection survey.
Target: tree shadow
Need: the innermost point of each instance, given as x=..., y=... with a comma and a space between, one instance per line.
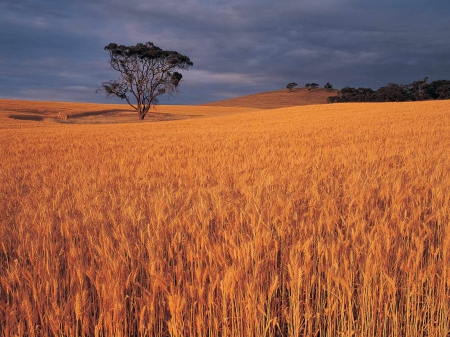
x=27, y=117
x=98, y=112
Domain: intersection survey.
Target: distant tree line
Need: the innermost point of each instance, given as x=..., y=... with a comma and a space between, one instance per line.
x=416, y=91
x=328, y=86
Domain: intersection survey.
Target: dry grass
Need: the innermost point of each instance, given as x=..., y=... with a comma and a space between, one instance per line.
x=91, y=113
x=278, y=99
x=330, y=220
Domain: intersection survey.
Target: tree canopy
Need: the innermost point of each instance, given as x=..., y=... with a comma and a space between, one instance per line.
x=417, y=91
x=328, y=86
x=291, y=86
x=311, y=86
x=146, y=72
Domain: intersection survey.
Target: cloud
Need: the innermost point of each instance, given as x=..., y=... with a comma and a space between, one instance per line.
x=50, y=47
x=207, y=77
x=77, y=88
x=36, y=22
x=355, y=58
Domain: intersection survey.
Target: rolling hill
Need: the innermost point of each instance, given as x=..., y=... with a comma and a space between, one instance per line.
x=93, y=113
x=278, y=99
x=12, y=111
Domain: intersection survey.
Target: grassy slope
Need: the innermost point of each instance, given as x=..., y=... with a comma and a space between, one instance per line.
x=278, y=99
x=12, y=111
x=122, y=113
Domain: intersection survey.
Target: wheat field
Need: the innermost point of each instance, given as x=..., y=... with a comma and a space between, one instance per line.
x=324, y=220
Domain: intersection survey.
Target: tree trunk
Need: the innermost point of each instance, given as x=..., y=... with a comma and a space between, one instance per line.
x=142, y=113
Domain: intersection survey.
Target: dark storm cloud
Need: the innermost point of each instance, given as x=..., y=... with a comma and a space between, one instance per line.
x=54, y=49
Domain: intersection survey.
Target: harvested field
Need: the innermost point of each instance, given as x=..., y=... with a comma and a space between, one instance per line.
x=92, y=113
x=278, y=99
x=321, y=220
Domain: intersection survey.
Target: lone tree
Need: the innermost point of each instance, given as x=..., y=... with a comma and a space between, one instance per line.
x=310, y=86
x=146, y=72
x=291, y=86
x=328, y=86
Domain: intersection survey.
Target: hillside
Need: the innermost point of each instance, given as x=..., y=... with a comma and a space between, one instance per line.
x=20, y=112
x=278, y=99
x=93, y=113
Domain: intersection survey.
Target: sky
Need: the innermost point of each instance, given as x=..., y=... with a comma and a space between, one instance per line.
x=53, y=49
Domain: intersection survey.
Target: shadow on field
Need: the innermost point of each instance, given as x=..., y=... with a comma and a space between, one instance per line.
x=120, y=116
x=104, y=116
x=26, y=117
x=98, y=112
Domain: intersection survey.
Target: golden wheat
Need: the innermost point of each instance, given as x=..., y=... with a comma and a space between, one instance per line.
x=329, y=220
